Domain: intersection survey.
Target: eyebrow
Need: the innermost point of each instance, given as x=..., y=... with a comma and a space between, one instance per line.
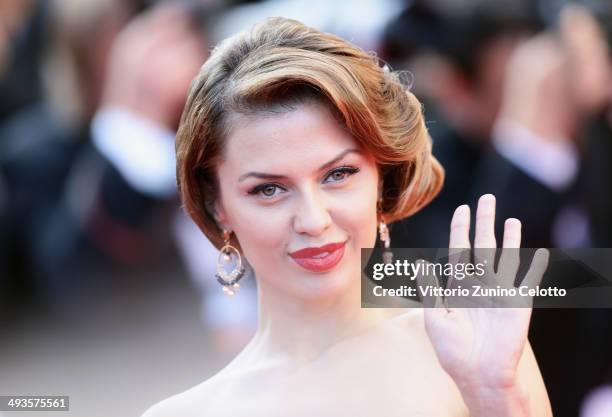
x=264, y=175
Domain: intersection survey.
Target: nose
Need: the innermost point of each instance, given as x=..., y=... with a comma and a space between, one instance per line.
x=312, y=215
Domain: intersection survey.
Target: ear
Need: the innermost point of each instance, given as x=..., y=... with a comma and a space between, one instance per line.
x=220, y=216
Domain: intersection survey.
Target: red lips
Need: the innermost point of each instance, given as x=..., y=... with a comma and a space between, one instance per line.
x=311, y=252
x=319, y=259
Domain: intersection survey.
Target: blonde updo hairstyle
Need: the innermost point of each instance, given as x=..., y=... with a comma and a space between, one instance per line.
x=281, y=61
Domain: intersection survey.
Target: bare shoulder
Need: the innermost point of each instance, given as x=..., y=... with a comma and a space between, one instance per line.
x=194, y=401
x=164, y=408
x=412, y=320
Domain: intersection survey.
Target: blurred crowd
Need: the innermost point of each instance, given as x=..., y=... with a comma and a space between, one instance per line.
x=517, y=97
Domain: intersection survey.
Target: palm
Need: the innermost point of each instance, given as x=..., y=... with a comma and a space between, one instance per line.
x=481, y=347
x=474, y=349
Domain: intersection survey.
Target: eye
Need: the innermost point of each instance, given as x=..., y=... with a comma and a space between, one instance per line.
x=340, y=174
x=267, y=190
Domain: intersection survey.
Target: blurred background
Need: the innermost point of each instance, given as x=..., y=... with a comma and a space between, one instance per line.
x=107, y=290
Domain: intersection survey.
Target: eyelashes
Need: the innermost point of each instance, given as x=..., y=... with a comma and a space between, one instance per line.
x=269, y=190
x=263, y=190
x=344, y=170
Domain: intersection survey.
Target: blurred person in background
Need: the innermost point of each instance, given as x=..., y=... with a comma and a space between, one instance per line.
x=457, y=56
x=545, y=151
x=556, y=84
x=70, y=208
x=40, y=143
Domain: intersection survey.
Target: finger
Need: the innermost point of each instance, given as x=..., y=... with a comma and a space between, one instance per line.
x=484, y=239
x=537, y=268
x=485, y=222
x=459, y=241
x=460, y=228
x=534, y=275
x=510, y=258
x=512, y=233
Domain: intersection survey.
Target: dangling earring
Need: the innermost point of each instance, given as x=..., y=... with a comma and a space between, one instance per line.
x=229, y=281
x=383, y=232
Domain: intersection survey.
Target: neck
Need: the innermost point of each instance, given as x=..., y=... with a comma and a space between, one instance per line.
x=301, y=330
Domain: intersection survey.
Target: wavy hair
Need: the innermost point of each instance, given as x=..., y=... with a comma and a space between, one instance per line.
x=280, y=61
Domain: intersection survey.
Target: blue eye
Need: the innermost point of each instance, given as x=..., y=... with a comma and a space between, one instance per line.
x=340, y=174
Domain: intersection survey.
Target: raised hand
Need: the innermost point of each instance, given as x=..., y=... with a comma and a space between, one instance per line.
x=480, y=348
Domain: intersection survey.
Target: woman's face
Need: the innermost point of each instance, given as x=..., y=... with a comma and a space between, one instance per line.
x=290, y=185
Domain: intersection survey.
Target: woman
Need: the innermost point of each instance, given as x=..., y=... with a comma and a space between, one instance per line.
x=293, y=146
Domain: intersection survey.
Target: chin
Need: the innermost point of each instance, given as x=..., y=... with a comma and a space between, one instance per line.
x=331, y=284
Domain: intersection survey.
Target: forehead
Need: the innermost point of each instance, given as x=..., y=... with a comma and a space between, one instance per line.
x=308, y=132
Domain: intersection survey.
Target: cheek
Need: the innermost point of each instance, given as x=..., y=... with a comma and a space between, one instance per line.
x=260, y=230
x=357, y=215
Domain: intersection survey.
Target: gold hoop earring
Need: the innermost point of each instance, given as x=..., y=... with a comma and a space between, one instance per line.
x=229, y=281
x=383, y=232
